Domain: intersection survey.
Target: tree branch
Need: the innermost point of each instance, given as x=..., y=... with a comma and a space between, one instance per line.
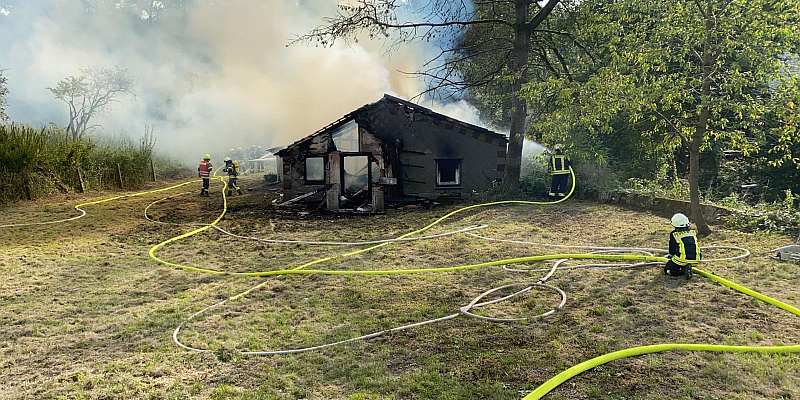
x=542, y=15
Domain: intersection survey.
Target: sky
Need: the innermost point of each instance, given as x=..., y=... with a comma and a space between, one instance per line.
x=211, y=75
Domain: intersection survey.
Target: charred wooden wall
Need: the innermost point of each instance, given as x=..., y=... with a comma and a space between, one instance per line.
x=405, y=140
x=294, y=166
x=420, y=139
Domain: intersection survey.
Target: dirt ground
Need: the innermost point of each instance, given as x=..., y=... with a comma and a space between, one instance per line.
x=86, y=314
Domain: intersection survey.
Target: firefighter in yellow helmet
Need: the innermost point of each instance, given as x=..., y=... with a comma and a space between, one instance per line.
x=560, y=164
x=232, y=168
x=684, y=251
x=204, y=171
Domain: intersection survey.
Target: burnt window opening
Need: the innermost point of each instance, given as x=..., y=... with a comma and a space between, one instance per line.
x=448, y=172
x=345, y=137
x=356, y=173
x=315, y=170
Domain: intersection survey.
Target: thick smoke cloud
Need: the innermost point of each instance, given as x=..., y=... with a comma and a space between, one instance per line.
x=211, y=74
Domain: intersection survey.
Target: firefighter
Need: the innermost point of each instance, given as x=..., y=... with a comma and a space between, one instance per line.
x=560, y=164
x=684, y=250
x=260, y=163
x=232, y=168
x=204, y=171
x=239, y=154
x=232, y=153
x=251, y=162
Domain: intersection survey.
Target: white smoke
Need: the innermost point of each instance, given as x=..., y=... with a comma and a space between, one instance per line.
x=211, y=75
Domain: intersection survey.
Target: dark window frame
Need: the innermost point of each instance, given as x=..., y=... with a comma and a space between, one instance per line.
x=305, y=171
x=338, y=131
x=449, y=184
x=370, y=159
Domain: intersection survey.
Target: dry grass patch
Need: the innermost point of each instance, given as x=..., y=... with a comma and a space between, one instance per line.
x=87, y=314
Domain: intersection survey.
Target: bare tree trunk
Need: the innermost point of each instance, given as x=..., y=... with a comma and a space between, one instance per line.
x=119, y=174
x=80, y=180
x=27, y=186
x=694, y=173
x=700, y=131
x=519, y=106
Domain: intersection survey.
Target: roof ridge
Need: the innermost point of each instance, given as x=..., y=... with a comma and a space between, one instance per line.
x=407, y=103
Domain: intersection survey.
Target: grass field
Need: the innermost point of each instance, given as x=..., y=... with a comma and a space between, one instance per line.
x=86, y=314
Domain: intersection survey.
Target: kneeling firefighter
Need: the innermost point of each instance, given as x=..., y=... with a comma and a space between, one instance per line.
x=204, y=171
x=684, y=250
x=232, y=168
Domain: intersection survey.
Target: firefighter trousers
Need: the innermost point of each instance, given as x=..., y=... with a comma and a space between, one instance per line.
x=559, y=186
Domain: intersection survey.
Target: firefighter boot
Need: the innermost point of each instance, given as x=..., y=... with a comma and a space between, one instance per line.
x=230, y=192
x=239, y=191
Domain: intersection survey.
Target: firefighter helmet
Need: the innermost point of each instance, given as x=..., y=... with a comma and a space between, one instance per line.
x=207, y=157
x=679, y=220
x=227, y=159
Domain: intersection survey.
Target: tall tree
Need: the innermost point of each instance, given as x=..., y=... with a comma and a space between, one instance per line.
x=510, y=27
x=92, y=94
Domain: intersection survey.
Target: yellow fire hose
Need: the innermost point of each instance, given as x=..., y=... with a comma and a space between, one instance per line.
x=79, y=207
x=562, y=377
x=547, y=386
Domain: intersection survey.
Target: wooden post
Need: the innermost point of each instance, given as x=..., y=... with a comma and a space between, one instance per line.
x=334, y=178
x=153, y=170
x=119, y=174
x=80, y=180
x=378, y=205
x=27, y=186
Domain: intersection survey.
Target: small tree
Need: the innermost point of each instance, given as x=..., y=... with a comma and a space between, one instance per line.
x=92, y=94
x=3, y=94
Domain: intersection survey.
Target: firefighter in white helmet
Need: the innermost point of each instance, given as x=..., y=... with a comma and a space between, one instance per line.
x=684, y=250
x=232, y=168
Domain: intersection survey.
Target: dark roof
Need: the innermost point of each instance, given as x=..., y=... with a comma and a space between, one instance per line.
x=407, y=104
x=432, y=113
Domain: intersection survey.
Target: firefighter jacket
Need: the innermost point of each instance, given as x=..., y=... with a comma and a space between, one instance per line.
x=232, y=168
x=560, y=163
x=204, y=169
x=683, y=246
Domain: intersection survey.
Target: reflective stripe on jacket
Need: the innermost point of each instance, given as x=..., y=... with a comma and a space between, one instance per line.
x=683, y=247
x=560, y=164
x=205, y=168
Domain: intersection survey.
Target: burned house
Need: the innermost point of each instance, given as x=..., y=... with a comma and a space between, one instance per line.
x=391, y=150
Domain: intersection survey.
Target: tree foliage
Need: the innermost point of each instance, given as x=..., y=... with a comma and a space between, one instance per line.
x=702, y=76
x=92, y=94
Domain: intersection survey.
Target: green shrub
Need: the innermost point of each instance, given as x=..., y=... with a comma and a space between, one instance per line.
x=780, y=216
x=37, y=162
x=535, y=181
x=595, y=181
